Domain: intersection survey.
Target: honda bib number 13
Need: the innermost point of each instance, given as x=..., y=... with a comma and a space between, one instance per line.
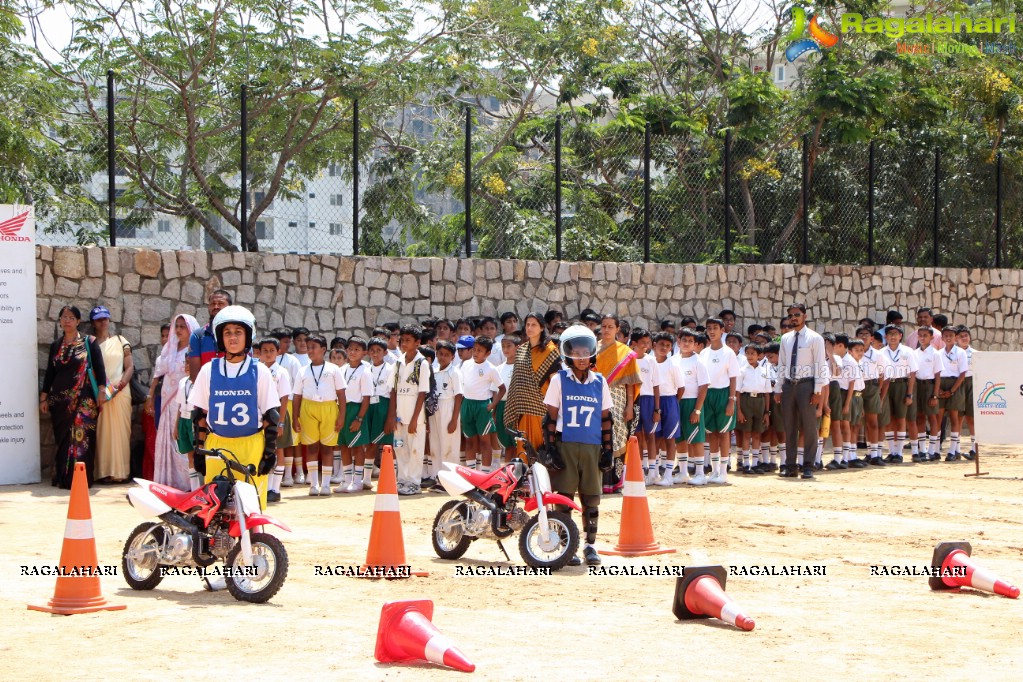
x=219, y=522
x=489, y=507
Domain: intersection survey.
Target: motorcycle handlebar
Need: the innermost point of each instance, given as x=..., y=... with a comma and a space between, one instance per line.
x=232, y=463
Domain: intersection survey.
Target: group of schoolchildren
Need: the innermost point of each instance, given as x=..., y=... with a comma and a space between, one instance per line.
x=436, y=393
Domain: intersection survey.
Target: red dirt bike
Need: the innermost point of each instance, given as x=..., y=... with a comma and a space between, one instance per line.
x=489, y=508
x=217, y=522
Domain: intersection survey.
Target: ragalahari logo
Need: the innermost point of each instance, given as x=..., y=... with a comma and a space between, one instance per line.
x=990, y=397
x=819, y=38
x=10, y=228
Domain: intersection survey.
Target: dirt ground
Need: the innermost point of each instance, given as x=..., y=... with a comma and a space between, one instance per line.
x=846, y=625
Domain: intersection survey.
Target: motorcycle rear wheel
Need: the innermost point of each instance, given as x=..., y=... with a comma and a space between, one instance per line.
x=567, y=538
x=453, y=543
x=270, y=557
x=143, y=574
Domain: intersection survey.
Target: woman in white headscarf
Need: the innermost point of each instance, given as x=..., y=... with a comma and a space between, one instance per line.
x=170, y=466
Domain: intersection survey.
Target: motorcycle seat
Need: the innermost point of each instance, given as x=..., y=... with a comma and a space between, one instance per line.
x=172, y=496
x=484, y=480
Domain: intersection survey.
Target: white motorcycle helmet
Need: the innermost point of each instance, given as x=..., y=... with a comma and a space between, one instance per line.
x=578, y=343
x=234, y=314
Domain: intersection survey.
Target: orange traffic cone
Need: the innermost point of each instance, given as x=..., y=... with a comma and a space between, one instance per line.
x=958, y=570
x=636, y=535
x=75, y=592
x=386, y=544
x=700, y=593
x=405, y=633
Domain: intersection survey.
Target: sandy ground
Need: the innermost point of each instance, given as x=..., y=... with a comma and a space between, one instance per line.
x=568, y=626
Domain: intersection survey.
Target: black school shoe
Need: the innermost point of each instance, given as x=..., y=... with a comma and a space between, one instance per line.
x=785, y=473
x=896, y=459
x=273, y=496
x=952, y=457
x=857, y=464
x=969, y=455
x=934, y=457
x=592, y=558
x=575, y=561
x=833, y=465
x=807, y=473
x=877, y=462
x=917, y=458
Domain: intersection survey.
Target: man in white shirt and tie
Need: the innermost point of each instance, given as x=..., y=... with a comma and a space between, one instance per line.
x=802, y=373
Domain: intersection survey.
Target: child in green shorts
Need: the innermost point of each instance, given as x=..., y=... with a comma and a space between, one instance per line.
x=354, y=435
x=183, y=432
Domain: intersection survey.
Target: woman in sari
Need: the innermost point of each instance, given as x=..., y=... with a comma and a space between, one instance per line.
x=70, y=398
x=113, y=451
x=535, y=362
x=617, y=363
x=169, y=466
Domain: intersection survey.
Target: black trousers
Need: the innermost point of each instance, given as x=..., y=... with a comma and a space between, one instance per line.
x=797, y=412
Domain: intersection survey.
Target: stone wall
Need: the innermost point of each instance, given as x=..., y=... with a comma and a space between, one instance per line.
x=145, y=288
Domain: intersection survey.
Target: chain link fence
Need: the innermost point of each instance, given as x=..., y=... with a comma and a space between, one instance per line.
x=553, y=188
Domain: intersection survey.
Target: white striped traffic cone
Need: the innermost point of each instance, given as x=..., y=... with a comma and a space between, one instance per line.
x=636, y=535
x=959, y=570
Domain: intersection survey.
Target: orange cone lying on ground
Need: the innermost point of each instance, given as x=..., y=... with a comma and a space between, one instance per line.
x=405, y=633
x=78, y=589
x=636, y=535
x=386, y=543
x=700, y=593
x=959, y=570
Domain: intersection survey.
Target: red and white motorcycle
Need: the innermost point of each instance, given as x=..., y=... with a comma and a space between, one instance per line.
x=488, y=507
x=218, y=522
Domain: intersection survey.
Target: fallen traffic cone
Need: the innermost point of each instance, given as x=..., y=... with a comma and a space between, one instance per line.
x=405, y=633
x=959, y=570
x=636, y=535
x=75, y=592
x=386, y=551
x=700, y=593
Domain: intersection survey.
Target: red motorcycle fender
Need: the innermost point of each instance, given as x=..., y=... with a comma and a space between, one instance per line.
x=254, y=522
x=552, y=498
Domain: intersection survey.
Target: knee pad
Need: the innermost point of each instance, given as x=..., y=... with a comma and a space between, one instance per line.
x=589, y=501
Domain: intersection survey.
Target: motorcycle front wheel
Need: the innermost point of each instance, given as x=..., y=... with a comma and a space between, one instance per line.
x=449, y=538
x=140, y=560
x=561, y=547
x=261, y=581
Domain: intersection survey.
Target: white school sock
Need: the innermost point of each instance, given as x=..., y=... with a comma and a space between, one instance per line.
x=914, y=445
x=774, y=455
x=471, y=463
x=367, y=472
x=194, y=480
x=820, y=451
x=933, y=442
x=646, y=460
x=348, y=475
x=900, y=440
x=715, y=463
x=889, y=437
x=358, y=473
x=765, y=452
x=326, y=472
x=706, y=452
x=758, y=458
x=973, y=442
x=313, y=474
x=955, y=442
x=662, y=458
x=799, y=456
x=337, y=461
x=850, y=454
x=275, y=478
x=782, y=456
x=745, y=458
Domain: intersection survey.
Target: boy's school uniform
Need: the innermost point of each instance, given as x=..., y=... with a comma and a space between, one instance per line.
x=694, y=374
x=722, y=366
x=302, y=359
x=287, y=437
x=358, y=385
x=670, y=380
x=235, y=397
x=929, y=366
x=650, y=379
x=477, y=381
x=870, y=373
x=504, y=438
x=968, y=382
x=282, y=379
x=896, y=366
x=953, y=364
x=410, y=379
x=753, y=388
x=318, y=387
x=444, y=446
x=382, y=381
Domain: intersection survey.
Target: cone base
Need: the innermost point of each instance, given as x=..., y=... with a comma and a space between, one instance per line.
x=641, y=550
x=71, y=610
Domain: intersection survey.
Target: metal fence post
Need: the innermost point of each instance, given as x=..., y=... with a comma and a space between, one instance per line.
x=937, y=206
x=998, y=211
x=246, y=244
x=805, y=251
x=111, y=162
x=468, y=183
x=557, y=187
x=646, y=194
x=728, y=182
x=355, y=178
x=870, y=205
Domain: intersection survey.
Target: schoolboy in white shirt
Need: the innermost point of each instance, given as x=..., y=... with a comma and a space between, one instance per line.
x=928, y=376
x=951, y=393
x=670, y=382
x=320, y=414
x=755, y=392
x=268, y=348
x=722, y=370
x=899, y=366
x=445, y=435
x=693, y=392
x=479, y=402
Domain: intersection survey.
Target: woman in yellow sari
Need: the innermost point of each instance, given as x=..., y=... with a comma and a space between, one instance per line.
x=113, y=448
x=535, y=362
x=617, y=363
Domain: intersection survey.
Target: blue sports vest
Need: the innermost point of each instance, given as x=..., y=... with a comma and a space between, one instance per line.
x=580, y=409
x=234, y=404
